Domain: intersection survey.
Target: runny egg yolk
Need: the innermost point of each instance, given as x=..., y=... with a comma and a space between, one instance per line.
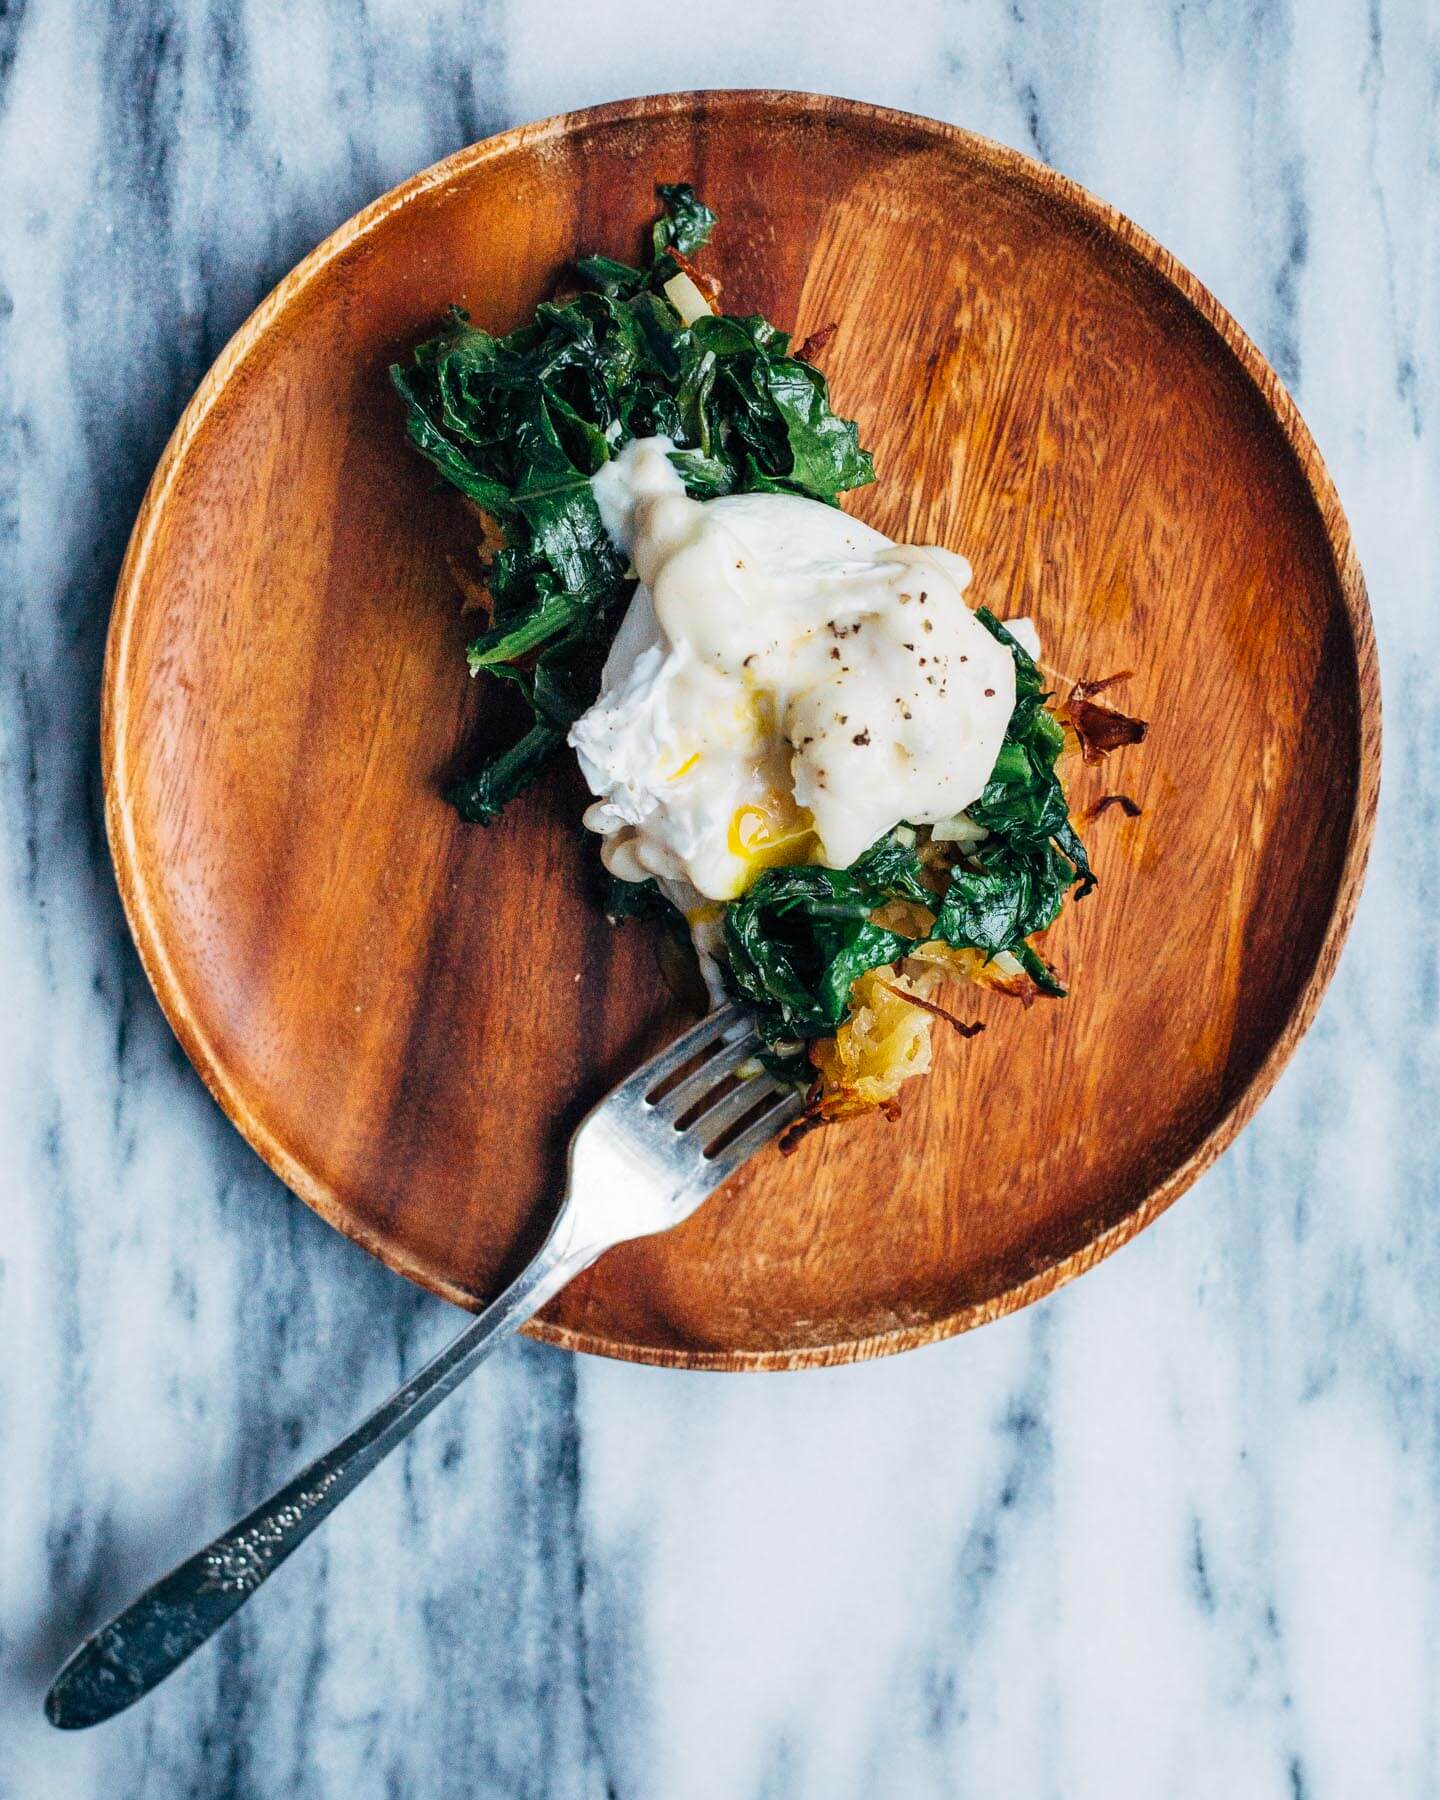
x=774, y=835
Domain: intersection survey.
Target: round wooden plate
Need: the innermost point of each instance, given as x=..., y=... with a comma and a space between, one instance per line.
x=405, y=1015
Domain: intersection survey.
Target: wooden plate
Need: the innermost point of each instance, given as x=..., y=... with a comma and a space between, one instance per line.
x=405, y=1015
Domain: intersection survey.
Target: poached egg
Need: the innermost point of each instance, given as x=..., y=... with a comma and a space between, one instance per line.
x=786, y=686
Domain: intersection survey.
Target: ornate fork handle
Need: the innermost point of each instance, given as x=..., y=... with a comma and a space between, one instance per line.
x=238, y=1564
x=123, y=1660
x=659, y=1143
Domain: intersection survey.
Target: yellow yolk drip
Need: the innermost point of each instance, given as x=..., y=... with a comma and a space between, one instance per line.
x=771, y=836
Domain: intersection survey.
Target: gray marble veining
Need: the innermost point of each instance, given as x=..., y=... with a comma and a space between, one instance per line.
x=1175, y=1532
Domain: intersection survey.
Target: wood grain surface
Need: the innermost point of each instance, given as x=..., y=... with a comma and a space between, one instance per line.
x=405, y=1015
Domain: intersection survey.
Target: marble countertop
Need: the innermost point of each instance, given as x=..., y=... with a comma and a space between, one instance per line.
x=1172, y=1533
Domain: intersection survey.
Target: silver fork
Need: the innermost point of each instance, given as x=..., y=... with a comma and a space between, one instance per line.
x=642, y=1161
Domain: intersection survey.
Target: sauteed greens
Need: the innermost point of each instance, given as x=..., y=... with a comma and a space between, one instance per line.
x=518, y=424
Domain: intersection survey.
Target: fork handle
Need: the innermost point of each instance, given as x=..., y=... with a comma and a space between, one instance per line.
x=123, y=1660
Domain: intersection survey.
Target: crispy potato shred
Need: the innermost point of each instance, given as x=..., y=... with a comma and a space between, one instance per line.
x=886, y=1041
x=815, y=343
x=708, y=285
x=474, y=594
x=962, y=1029
x=1127, y=806
x=1099, y=729
x=473, y=580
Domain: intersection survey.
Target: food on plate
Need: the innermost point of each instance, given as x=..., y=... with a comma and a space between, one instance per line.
x=800, y=737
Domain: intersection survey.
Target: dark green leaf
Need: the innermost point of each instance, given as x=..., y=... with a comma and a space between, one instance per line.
x=610, y=277
x=1069, y=841
x=1040, y=972
x=995, y=905
x=478, y=798
x=635, y=900
x=705, y=477
x=891, y=870
x=800, y=938
x=824, y=454
x=686, y=222
x=506, y=644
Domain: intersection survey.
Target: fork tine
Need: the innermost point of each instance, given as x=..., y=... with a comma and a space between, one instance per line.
x=725, y=1110
x=755, y=1135
x=695, y=1085
x=710, y=1031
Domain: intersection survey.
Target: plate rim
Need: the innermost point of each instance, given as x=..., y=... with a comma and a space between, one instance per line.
x=1280, y=407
